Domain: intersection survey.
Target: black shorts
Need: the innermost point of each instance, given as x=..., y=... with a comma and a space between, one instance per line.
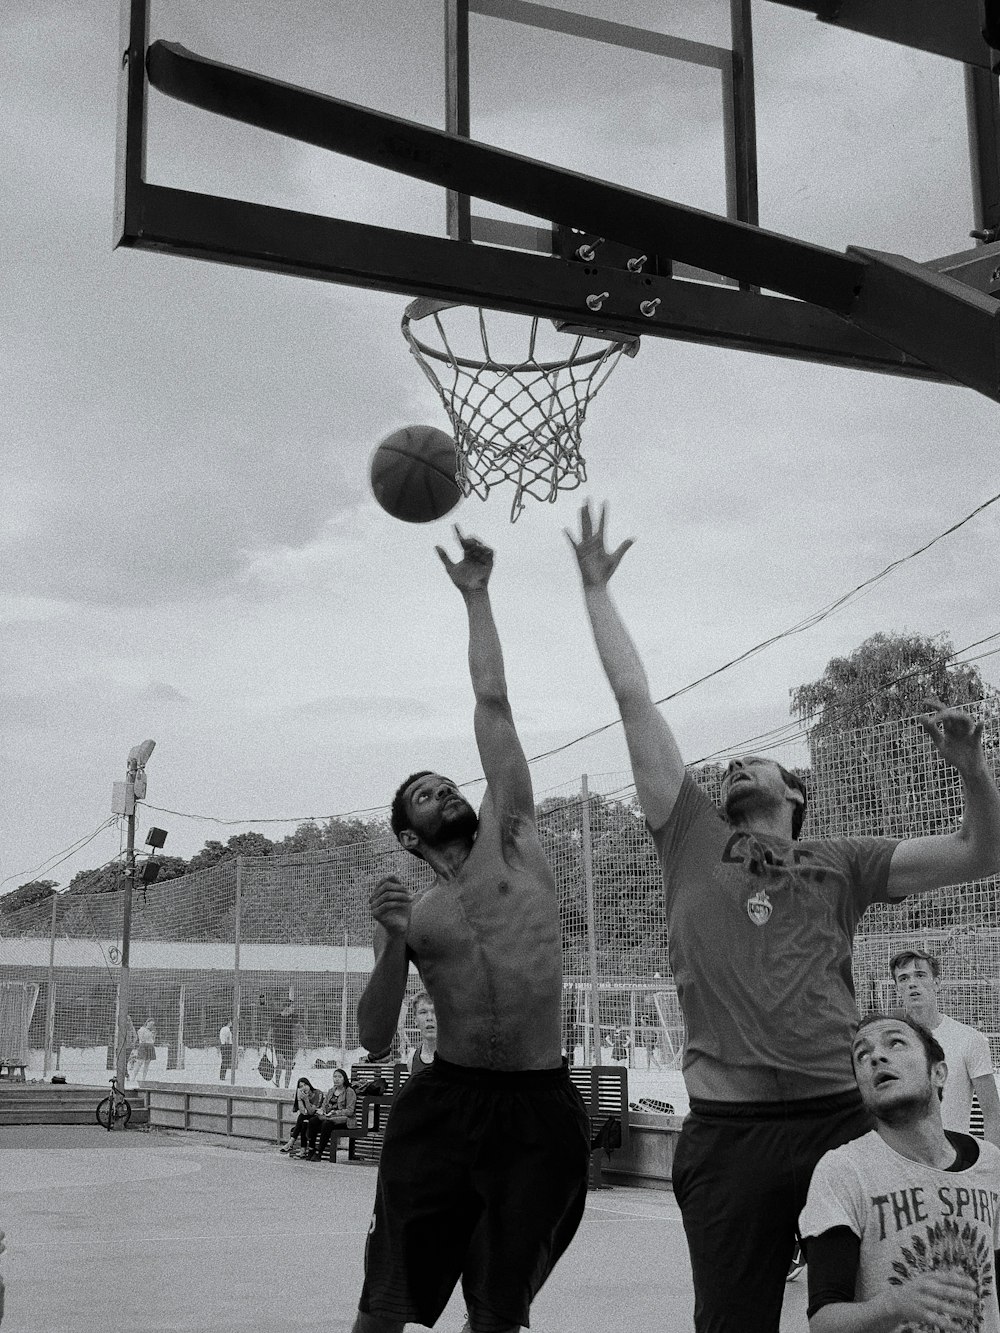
x=741, y=1173
x=483, y=1177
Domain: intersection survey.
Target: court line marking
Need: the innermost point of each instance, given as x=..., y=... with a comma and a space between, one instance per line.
x=628, y=1212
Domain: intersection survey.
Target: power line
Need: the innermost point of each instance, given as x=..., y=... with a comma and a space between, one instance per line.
x=50, y=862
x=807, y=622
x=787, y=734
x=800, y=626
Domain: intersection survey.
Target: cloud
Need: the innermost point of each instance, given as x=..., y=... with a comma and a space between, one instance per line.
x=159, y=692
x=355, y=708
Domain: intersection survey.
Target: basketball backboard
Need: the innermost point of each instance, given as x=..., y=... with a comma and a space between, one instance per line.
x=575, y=247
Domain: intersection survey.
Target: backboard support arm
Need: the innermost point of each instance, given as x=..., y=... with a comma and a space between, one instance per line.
x=738, y=249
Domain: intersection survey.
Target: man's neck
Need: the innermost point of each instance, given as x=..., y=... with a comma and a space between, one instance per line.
x=427, y=1048
x=448, y=859
x=924, y=1012
x=765, y=823
x=921, y=1140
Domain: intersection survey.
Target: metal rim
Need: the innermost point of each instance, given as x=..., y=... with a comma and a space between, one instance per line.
x=504, y=367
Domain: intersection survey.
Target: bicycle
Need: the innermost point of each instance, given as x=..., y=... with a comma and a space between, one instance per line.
x=115, y=1109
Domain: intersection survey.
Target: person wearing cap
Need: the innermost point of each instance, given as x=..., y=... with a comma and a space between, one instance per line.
x=917, y=977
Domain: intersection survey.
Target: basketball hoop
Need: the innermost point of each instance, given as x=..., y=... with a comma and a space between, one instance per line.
x=514, y=419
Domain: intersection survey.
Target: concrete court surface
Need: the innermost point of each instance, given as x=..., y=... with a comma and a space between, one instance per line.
x=171, y=1231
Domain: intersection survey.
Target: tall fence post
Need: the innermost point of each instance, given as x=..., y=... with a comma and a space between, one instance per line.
x=343, y=1009
x=238, y=914
x=50, y=1006
x=588, y=883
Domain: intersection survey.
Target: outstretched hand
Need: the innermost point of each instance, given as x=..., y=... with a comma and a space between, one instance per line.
x=473, y=571
x=956, y=737
x=596, y=562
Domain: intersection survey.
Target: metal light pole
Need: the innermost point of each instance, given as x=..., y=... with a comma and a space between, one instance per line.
x=134, y=790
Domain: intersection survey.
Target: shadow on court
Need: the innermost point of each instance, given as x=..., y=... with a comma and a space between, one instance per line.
x=170, y=1231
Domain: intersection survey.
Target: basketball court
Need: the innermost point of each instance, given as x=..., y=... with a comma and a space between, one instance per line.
x=171, y=1232
x=526, y=261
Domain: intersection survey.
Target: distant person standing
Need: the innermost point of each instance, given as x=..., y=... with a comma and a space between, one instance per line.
x=147, y=1049
x=225, y=1049
x=426, y=1021
x=966, y=1051
x=282, y=1037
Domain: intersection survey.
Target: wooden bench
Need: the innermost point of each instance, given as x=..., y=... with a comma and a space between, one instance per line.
x=604, y=1089
x=364, y=1144
x=15, y=1071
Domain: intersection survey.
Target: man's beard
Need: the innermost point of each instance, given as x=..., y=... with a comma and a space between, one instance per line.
x=906, y=1111
x=738, y=802
x=463, y=824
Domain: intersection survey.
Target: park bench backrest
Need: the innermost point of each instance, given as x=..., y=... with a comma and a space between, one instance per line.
x=604, y=1089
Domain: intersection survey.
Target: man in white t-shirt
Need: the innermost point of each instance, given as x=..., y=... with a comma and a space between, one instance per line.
x=966, y=1051
x=901, y=1226
x=225, y=1049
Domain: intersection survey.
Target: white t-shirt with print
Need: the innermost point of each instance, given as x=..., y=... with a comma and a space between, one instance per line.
x=911, y=1218
x=967, y=1055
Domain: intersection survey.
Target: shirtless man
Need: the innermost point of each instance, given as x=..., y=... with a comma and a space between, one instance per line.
x=483, y=1173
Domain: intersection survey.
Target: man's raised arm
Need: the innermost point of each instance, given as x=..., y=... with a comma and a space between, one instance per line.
x=973, y=852
x=657, y=765
x=504, y=764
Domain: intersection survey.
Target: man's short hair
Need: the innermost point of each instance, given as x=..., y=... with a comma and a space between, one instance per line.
x=932, y=1047
x=421, y=997
x=399, y=819
x=792, y=780
x=910, y=956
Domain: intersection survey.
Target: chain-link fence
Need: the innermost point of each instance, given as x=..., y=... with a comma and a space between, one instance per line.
x=236, y=945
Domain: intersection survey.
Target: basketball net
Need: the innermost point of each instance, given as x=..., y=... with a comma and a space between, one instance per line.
x=516, y=420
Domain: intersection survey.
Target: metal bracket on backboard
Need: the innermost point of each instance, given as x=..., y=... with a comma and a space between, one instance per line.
x=734, y=66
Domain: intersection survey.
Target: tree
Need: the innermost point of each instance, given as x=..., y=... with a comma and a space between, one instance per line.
x=27, y=895
x=873, y=771
x=313, y=837
x=240, y=844
x=887, y=678
x=106, y=879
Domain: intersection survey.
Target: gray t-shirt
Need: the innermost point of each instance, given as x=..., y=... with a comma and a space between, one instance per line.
x=761, y=930
x=911, y=1218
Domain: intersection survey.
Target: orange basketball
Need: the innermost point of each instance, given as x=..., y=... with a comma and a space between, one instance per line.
x=413, y=474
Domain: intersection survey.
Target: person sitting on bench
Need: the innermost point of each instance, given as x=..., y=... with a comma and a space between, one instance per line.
x=306, y=1106
x=336, y=1112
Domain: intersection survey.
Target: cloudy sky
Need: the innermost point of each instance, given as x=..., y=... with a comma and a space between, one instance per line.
x=191, y=551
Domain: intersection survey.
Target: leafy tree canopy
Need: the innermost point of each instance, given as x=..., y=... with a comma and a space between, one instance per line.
x=27, y=895
x=887, y=678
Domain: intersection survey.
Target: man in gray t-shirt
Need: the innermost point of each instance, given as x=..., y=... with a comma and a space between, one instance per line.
x=760, y=925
